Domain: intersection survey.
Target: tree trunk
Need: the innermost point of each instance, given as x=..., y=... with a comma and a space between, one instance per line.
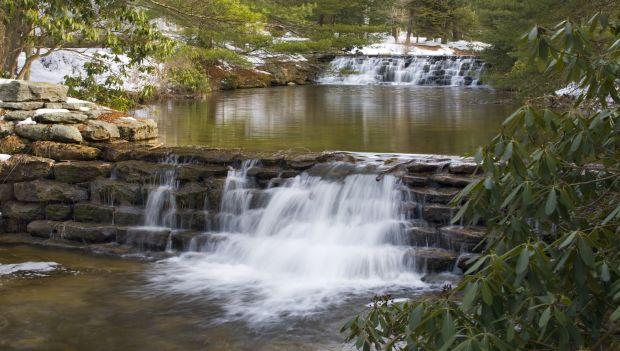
x=409, y=28
x=321, y=19
x=16, y=29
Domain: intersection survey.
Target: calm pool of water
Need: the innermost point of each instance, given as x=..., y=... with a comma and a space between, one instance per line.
x=452, y=120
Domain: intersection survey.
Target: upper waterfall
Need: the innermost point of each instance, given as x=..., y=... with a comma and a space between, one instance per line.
x=405, y=70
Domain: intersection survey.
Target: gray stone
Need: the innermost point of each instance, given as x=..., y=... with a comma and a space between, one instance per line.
x=54, y=132
x=90, y=212
x=192, y=195
x=114, y=192
x=192, y=219
x=88, y=232
x=25, y=212
x=415, y=180
x=144, y=238
x=196, y=241
x=79, y=105
x=26, y=105
x=137, y=130
x=54, y=105
x=430, y=259
x=438, y=195
x=43, y=228
x=452, y=180
x=464, y=168
x=264, y=173
x=21, y=90
x=22, y=167
x=62, y=151
x=95, y=130
x=424, y=167
x=140, y=171
x=128, y=215
x=94, y=113
x=302, y=162
x=422, y=236
x=197, y=172
x=60, y=117
x=48, y=191
x=58, y=212
x=18, y=115
x=6, y=128
x=6, y=192
x=461, y=238
x=437, y=213
x=81, y=171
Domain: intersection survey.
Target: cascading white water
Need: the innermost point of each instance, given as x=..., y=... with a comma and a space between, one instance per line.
x=399, y=70
x=160, y=209
x=324, y=235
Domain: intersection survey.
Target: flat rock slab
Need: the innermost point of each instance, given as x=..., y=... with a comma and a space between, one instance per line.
x=96, y=213
x=43, y=228
x=59, y=211
x=144, y=238
x=87, y=232
x=137, y=130
x=430, y=259
x=20, y=90
x=22, y=211
x=459, y=181
x=26, y=105
x=62, y=151
x=22, y=167
x=41, y=190
x=95, y=130
x=81, y=171
x=438, y=195
x=60, y=117
x=462, y=238
x=438, y=213
x=50, y=132
x=6, y=128
x=18, y=115
x=115, y=192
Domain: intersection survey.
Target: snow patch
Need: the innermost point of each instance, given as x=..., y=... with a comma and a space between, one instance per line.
x=128, y=119
x=421, y=46
x=39, y=267
x=4, y=157
x=44, y=111
x=27, y=121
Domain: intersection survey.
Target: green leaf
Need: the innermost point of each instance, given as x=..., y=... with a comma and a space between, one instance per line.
x=448, y=329
x=544, y=318
x=487, y=295
x=585, y=251
x=551, y=203
x=569, y=239
x=615, y=315
x=523, y=260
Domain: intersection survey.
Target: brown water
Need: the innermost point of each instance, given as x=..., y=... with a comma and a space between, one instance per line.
x=98, y=303
x=443, y=120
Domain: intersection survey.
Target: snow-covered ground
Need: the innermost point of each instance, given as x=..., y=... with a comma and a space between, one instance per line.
x=423, y=46
x=30, y=267
x=54, y=67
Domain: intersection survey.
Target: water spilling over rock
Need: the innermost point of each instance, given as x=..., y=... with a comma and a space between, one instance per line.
x=405, y=70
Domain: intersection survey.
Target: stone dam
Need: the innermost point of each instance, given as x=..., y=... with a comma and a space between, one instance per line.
x=77, y=175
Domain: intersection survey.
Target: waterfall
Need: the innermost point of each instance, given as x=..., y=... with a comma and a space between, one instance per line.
x=160, y=210
x=405, y=70
x=327, y=234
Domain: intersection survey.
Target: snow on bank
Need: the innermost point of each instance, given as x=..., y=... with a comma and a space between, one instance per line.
x=4, y=157
x=54, y=67
x=34, y=267
x=422, y=46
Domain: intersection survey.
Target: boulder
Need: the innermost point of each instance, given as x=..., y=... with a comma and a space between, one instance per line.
x=54, y=132
x=115, y=192
x=461, y=238
x=21, y=90
x=437, y=213
x=96, y=130
x=22, y=167
x=58, y=212
x=144, y=238
x=452, y=180
x=137, y=130
x=24, y=212
x=81, y=171
x=13, y=144
x=88, y=232
x=89, y=212
x=18, y=115
x=61, y=151
x=26, y=105
x=49, y=191
x=438, y=195
x=430, y=259
x=60, y=117
x=43, y=228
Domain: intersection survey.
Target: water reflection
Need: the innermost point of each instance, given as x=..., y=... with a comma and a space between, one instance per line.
x=357, y=118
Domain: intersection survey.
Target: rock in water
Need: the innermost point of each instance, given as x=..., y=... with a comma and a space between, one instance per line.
x=20, y=90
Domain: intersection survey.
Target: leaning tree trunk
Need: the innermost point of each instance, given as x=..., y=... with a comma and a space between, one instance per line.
x=15, y=29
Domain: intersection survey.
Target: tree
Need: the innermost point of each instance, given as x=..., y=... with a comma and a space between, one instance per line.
x=549, y=275
x=37, y=28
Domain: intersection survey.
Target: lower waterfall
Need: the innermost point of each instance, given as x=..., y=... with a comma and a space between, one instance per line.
x=403, y=70
x=330, y=233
